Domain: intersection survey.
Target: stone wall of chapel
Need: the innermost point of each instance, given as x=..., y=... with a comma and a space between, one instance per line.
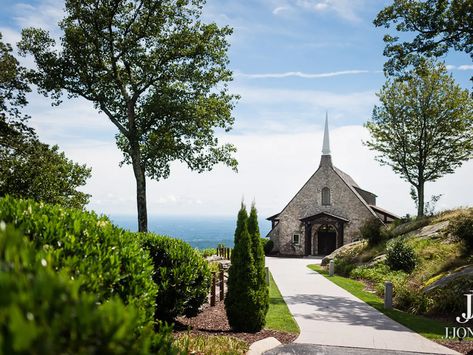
x=308, y=201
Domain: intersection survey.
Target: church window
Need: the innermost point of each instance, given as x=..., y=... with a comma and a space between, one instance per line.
x=326, y=196
x=296, y=239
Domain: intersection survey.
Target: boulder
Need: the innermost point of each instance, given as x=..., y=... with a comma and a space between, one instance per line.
x=379, y=259
x=432, y=230
x=464, y=271
x=343, y=250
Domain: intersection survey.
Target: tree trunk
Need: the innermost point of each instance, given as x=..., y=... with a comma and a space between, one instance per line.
x=140, y=190
x=420, y=199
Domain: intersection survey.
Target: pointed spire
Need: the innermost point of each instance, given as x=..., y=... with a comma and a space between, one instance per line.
x=326, y=144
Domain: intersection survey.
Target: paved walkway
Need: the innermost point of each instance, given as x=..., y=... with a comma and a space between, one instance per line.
x=329, y=315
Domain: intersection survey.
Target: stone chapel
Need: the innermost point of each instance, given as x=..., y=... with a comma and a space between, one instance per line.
x=326, y=213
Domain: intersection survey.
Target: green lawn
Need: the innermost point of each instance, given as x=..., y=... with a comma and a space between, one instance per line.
x=279, y=317
x=427, y=327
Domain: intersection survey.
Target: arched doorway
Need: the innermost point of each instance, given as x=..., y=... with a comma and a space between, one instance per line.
x=326, y=239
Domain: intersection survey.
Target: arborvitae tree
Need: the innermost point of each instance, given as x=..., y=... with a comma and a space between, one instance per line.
x=242, y=304
x=258, y=257
x=242, y=221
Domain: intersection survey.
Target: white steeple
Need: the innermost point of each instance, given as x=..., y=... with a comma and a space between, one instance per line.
x=326, y=144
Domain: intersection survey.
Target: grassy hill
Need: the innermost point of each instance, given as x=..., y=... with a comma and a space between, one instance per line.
x=443, y=270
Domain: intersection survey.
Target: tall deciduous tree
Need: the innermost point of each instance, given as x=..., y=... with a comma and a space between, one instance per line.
x=423, y=126
x=437, y=25
x=154, y=69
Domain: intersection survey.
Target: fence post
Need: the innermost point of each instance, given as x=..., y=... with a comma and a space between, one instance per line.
x=222, y=285
x=331, y=268
x=227, y=252
x=388, y=295
x=213, y=290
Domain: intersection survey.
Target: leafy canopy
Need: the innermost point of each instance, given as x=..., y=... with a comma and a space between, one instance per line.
x=29, y=168
x=13, y=85
x=438, y=25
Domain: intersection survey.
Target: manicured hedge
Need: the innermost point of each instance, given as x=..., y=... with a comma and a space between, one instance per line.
x=43, y=311
x=181, y=274
x=106, y=260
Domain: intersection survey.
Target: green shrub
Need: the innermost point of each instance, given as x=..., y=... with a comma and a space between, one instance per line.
x=450, y=298
x=410, y=298
x=371, y=231
x=462, y=228
x=343, y=267
x=400, y=256
x=208, y=252
x=377, y=275
x=106, y=260
x=243, y=303
x=181, y=274
x=268, y=246
x=44, y=312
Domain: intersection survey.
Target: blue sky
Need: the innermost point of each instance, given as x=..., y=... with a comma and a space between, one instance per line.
x=293, y=60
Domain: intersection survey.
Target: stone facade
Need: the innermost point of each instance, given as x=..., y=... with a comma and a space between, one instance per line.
x=308, y=217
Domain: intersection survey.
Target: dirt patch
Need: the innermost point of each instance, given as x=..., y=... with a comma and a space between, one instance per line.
x=463, y=347
x=213, y=321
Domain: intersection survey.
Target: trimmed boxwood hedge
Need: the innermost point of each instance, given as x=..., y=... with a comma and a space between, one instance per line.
x=43, y=311
x=182, y=276
x=106, y=260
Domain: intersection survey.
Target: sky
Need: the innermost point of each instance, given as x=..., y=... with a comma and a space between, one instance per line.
x=293, y=61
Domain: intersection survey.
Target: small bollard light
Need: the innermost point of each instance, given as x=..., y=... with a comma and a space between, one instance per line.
x=331, y=268
x=388, y=295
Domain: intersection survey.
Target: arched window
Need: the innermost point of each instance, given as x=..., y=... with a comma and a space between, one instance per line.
x=325, y=196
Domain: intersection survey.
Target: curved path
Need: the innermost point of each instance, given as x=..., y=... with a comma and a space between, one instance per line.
x=329, y=315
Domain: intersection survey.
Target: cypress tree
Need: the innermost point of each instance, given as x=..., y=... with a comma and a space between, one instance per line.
x=259, y=262
x=241, y=303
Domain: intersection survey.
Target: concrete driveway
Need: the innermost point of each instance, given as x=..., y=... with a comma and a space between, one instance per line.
x=329, y=315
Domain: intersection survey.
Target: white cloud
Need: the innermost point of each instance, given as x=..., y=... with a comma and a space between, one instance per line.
x=320, y=6
x=45, y=14
x=346, y=9
x=280, y=9
x=272, y=169
x=303, y=75
x=315, y=99
x=10, y=35
x=459, y=67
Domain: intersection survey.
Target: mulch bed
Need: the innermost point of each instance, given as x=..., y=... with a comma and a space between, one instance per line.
x=463, y=347
x=213, y=321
